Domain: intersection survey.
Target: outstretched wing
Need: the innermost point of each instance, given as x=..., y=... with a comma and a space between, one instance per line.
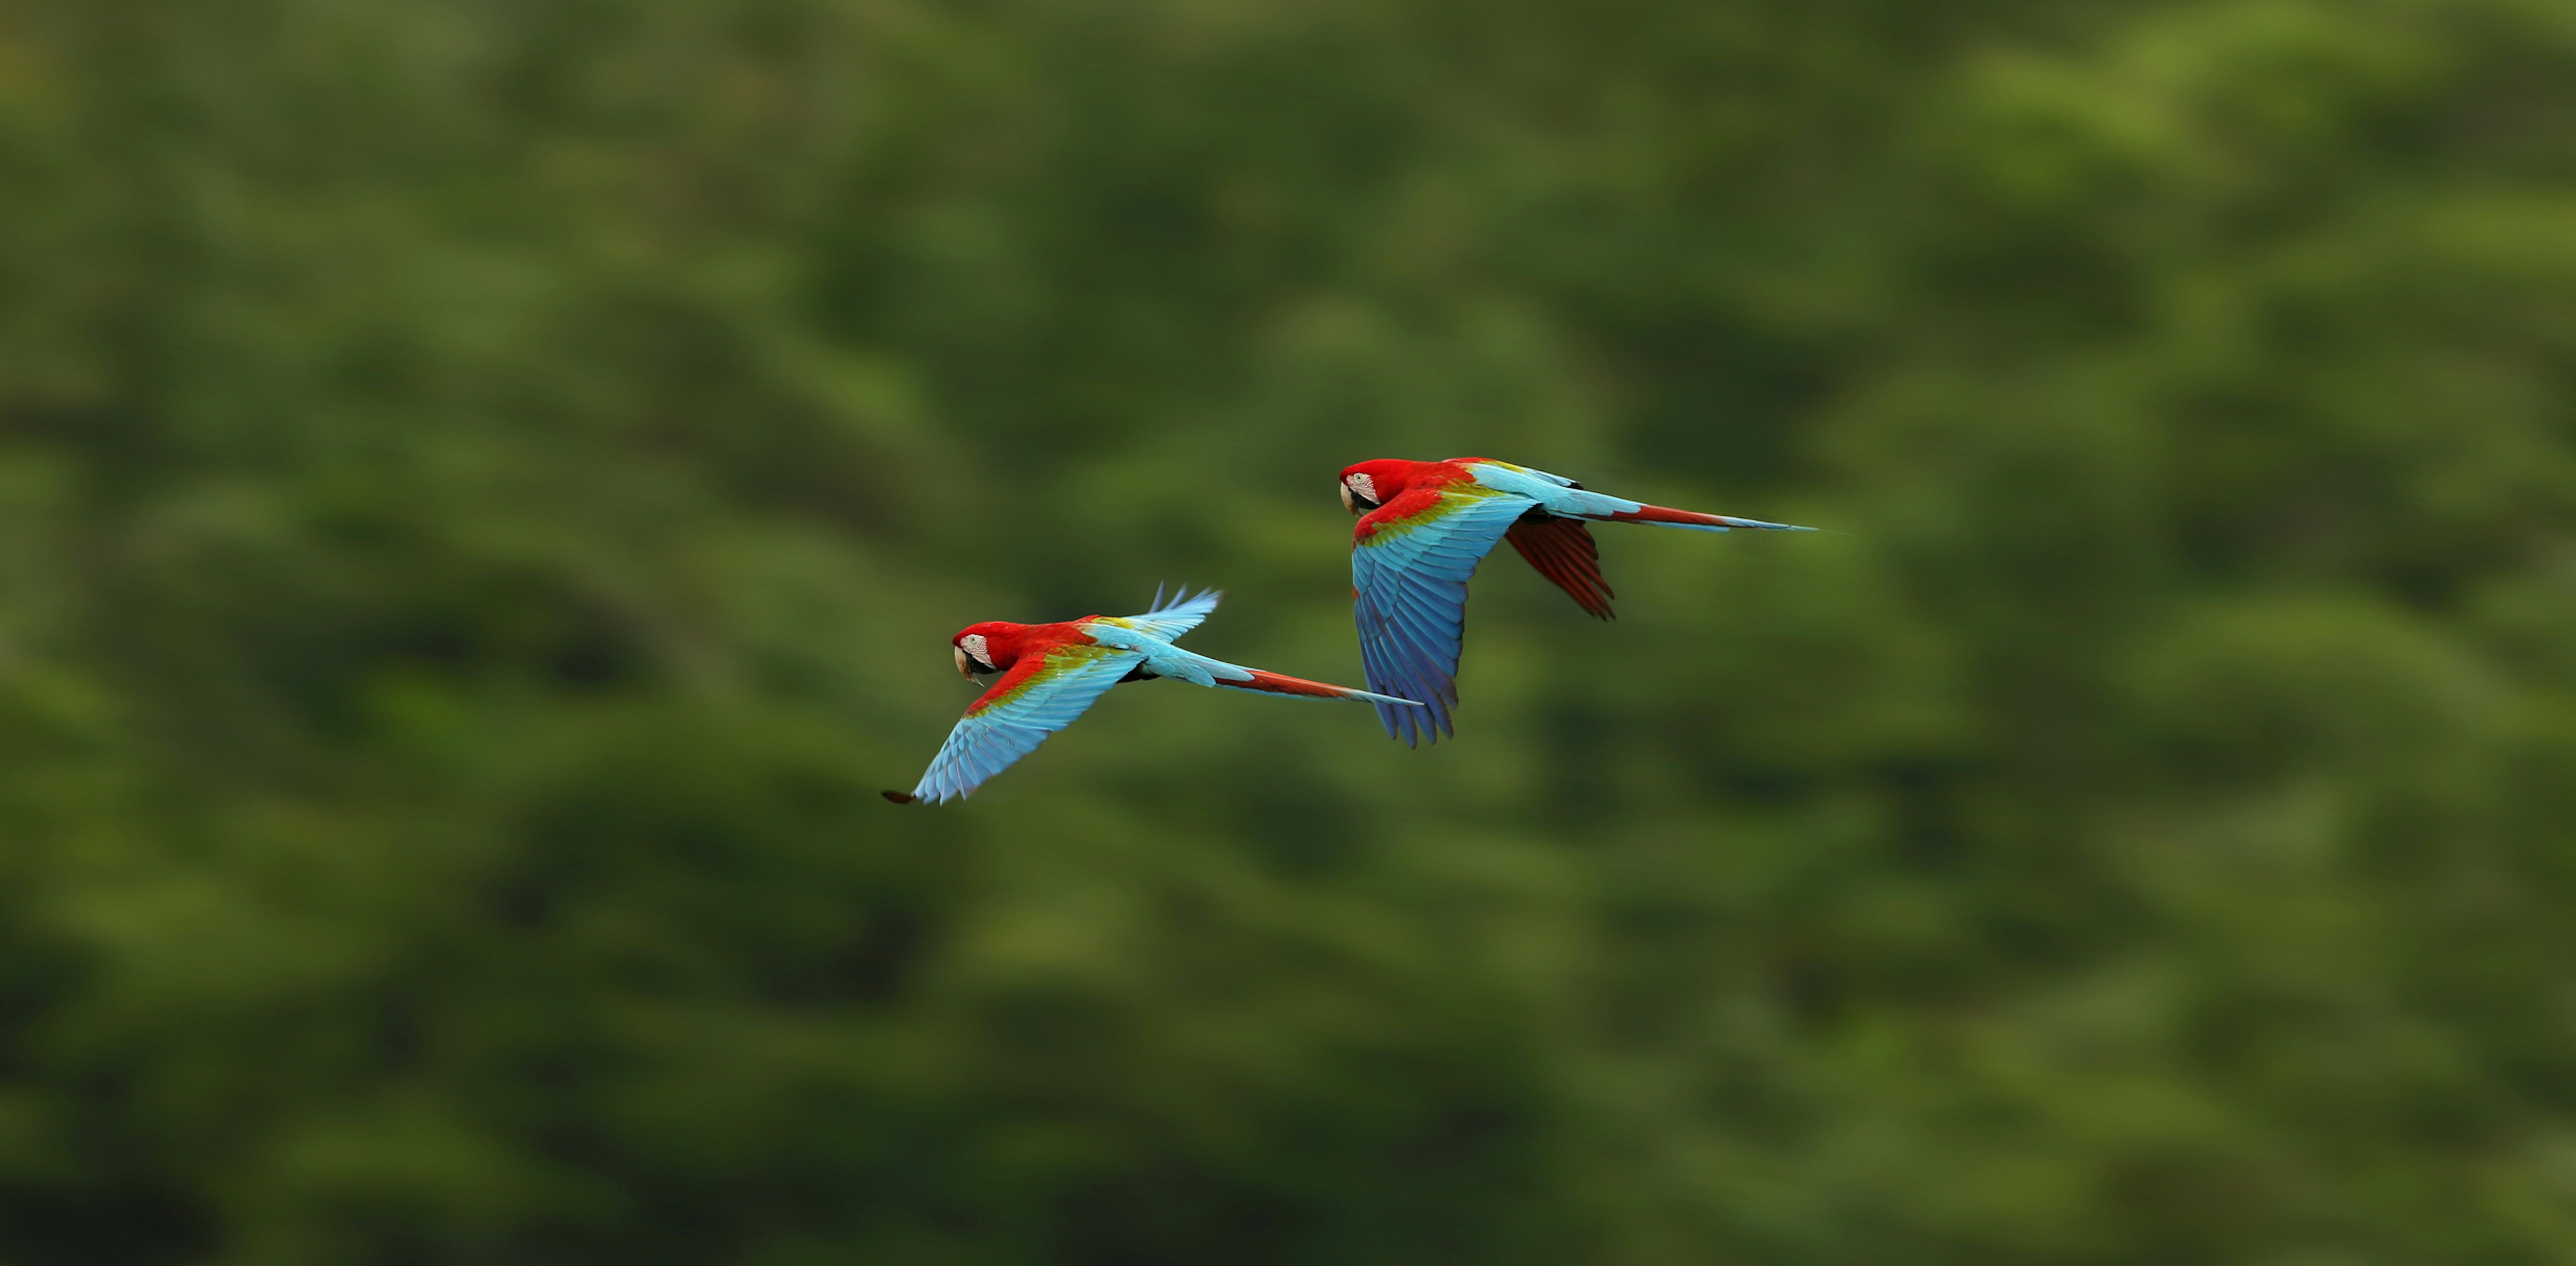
x=1169, y=620
x=1409, y=567
x=1040, y=695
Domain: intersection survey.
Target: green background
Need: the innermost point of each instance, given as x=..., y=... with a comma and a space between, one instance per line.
x=485, y=487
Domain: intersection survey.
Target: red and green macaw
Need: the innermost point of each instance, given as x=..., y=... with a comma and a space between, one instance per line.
x=1423, y=528
x=1045, y=675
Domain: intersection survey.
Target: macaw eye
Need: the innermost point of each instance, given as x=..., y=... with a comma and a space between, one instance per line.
x=1359, y=494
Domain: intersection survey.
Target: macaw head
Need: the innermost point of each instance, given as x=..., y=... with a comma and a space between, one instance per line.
x=989, y=647
x=1371, y=484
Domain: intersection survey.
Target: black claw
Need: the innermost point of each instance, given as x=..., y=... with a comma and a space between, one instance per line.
x=899, y=797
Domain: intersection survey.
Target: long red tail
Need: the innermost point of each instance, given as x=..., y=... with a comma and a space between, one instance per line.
x=1282, y=684
x=1694, y=519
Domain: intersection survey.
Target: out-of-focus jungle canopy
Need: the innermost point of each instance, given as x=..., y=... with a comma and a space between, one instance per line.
x=486, y=485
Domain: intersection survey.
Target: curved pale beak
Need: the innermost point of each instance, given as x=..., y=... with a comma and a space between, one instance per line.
x=965, y=666
x=1348, y=502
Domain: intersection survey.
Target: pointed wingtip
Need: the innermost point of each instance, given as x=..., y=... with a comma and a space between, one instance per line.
x=900, y=797
x=1396, y=727
x=1181, y=597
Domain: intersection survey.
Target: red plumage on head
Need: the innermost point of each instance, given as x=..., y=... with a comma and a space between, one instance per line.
x=1016, y=651
x=1004, y=642
x=1386, y=478
x=1394, y=488
x=997, y=642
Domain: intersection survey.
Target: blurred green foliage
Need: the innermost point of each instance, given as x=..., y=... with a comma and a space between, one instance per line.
x=485, y=486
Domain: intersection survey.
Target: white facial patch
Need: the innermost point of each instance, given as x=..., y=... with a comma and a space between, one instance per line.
x=1363, y=485
x=973, y=645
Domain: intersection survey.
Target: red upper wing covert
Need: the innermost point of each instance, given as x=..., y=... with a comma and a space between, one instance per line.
x=1562, y=550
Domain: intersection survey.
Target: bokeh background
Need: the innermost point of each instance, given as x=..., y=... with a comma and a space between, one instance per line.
x=486, y=486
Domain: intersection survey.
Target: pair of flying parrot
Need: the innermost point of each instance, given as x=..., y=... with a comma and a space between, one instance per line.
x=1423, y=528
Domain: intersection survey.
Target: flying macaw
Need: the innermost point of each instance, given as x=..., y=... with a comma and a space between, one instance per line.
x=1423, y=528
x=1050, y=673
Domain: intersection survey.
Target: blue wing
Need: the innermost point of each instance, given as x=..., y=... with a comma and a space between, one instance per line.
x=1169, y=620
x=1016, y=715
x=1410, y=579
